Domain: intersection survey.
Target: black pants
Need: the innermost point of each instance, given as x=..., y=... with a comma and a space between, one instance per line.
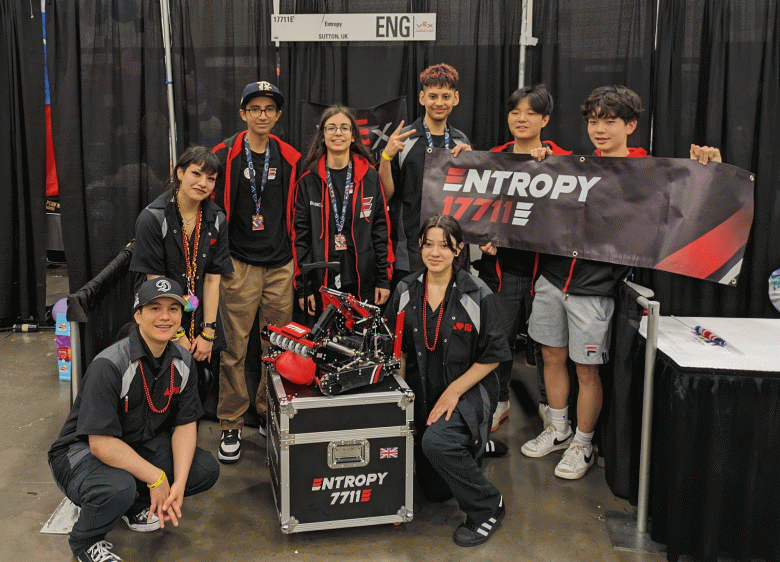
x=105, y=493
x=447, y=467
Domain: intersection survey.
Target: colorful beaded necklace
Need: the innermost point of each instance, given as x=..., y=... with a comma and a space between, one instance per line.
x=146, y=390
x=191, y=263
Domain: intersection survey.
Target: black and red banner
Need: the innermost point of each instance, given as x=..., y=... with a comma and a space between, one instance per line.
x=668, y=214
x=376, y=123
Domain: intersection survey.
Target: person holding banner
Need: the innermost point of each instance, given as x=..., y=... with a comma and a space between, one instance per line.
x=451, y=345
x=255, y=189
x=340, y=214
x=183, y=235
x=574, y=300
x=509, y=272
x=403, y=159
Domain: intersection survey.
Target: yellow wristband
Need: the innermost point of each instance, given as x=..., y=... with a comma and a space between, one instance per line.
x=386, y=157
x=178, y=334
x=207, y=337
x=159, y=481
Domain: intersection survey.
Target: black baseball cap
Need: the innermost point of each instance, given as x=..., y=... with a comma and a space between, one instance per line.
x=267, y=89
x=156, y=288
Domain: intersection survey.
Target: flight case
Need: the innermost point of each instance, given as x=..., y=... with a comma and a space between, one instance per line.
x=340, y=461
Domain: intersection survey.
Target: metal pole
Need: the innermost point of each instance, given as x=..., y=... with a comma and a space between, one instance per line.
x=165, y=22
x=75, y=360
x=653, y=308
x=525, y=39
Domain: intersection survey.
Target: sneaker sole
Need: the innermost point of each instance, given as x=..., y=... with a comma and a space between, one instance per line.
x=504, y=416
x=574, y=475
x=538, y=454
x=146, y=528
x=228, y=460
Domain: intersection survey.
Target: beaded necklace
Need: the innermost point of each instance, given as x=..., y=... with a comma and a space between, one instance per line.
x=146, y=389
x=191, y=262
x=425, y=319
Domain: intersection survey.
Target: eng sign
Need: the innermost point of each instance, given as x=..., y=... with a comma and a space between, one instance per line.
x=353, y=27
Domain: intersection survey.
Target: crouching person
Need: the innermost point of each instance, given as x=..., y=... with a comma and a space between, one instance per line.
x=452, y=344
x=127, y=449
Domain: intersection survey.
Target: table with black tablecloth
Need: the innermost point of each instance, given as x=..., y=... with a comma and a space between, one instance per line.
x=716, y=439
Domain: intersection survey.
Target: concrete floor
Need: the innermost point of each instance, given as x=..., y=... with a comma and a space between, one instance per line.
x=548, y=519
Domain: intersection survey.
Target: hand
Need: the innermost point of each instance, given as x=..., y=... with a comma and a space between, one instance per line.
x=445, y=404
x=489, y=249
x=312, y=309
x=172, y=505
x=184, y=341
x=705, y=154
x=201, y=349
x=381, y=296
x=395, y=143
x=460, y=148
x=540, y=154
x=158, y=496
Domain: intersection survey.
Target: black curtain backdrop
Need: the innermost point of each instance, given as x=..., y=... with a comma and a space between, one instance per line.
x=23, y=157
x=717, y=82
x=584, y=44
x=109, y=122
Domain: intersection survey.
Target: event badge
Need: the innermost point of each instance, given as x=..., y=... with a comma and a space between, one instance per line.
x=340, y=241
x=257, y=222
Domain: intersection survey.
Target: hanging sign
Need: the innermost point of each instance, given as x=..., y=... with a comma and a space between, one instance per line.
x=353, y=27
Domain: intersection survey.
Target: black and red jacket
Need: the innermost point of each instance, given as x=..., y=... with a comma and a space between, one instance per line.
x=586, y=277
x=519, y=262
x=229, y=153
x=313, y=226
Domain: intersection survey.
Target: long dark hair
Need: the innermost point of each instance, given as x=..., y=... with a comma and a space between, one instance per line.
x=201, y=155
x=453, y=236
x=317, y=148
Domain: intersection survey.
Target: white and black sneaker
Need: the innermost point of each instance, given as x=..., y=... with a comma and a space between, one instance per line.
x=140, y=522
x=230, y=446
x=472, y=534
x=575, y=462
x=99, y=552
x=548, y=441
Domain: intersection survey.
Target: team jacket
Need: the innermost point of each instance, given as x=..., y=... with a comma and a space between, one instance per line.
x=407, y=168
x=159, y=250
x=470, y=333
x=113, y=400
x=229, y=154
x=519, y=262
x=586, y=277
x=313, y=232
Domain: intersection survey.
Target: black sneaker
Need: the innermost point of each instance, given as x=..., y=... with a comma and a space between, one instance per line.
x=470, y=534
x=495, y=448
x=230, y=446
x=99, y=552
x=139, y=522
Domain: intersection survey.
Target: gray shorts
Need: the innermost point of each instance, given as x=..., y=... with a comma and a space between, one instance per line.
x=581, y=323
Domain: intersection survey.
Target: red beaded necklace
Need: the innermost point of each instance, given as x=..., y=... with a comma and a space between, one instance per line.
x=146, y=389
x=191, y=261
x=425, y=319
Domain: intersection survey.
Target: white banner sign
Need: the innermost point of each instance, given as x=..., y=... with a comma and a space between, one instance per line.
x=353, y=27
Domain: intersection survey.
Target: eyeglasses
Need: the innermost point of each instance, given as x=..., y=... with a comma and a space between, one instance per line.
x=345, y=128
x=255, y=111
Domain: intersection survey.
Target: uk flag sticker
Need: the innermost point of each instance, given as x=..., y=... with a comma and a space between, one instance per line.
x=388, y=452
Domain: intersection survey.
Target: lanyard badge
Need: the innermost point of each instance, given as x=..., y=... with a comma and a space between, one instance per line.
x=430, y=139
x=339, y=240
x=257, y=218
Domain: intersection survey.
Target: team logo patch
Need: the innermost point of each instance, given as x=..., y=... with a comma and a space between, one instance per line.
x=365, y=210
x=163, y=286
x=388, y=452
x=271, y=173
x=462, y=326
x=591, y=350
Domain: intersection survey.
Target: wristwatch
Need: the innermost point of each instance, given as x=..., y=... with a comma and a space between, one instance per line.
x=212, y=325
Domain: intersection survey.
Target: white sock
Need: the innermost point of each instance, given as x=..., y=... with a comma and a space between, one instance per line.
x=560, y=419
x=585, y=439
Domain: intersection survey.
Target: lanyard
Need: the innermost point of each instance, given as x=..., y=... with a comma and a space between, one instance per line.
x=347, y=193
x=251, y=167
x=430, y=139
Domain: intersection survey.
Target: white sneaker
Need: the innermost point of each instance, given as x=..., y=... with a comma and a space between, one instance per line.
x=575, y=463
x=545, y=414
x=230, y=446
x=501, y=413
x=139, y=522
x=548, y=441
